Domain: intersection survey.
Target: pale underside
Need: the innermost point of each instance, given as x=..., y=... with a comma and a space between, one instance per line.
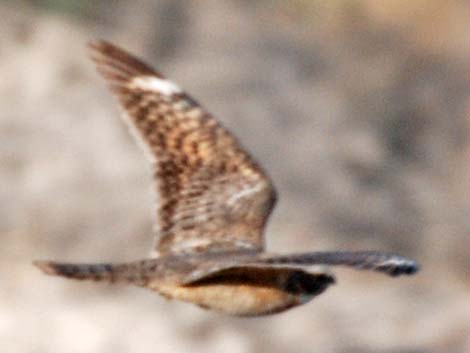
x=241, y=291
x=235, y=299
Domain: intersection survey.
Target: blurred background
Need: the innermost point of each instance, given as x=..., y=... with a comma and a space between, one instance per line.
x=359, y=110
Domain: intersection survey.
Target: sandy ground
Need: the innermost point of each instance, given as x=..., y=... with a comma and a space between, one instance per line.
x=359, y=113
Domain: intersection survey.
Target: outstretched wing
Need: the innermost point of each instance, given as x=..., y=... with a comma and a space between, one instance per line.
x=212, y=194
x=387, y=263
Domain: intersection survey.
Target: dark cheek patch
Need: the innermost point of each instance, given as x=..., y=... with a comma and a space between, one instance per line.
x=300, y=282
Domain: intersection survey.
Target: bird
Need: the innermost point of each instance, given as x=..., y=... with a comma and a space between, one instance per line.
x=213, y=203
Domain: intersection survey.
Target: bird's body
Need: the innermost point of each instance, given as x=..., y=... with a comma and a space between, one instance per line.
x=214, y=202
x=239, y=286
x=250, y=292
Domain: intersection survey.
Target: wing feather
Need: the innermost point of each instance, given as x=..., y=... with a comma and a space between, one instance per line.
x=388, y=263
x=212, y=195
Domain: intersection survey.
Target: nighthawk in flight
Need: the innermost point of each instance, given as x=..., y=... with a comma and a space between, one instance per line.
x=214, y=202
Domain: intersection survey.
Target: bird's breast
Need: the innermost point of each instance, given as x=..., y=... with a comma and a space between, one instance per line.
x=236, y=299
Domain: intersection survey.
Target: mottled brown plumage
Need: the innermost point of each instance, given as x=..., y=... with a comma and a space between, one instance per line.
x=214, y=201
x=210, y=191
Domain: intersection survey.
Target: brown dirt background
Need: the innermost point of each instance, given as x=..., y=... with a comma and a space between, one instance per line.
x=359, y=110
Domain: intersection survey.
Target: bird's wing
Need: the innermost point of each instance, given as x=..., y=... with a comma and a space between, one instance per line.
x=388, y=263
x=212, y=195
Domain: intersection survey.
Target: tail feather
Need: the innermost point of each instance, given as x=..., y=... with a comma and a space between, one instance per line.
x=136, y=273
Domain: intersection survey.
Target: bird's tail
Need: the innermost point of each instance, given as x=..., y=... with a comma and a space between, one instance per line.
x=137, y=273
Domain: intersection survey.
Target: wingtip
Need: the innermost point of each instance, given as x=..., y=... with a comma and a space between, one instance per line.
x=46, y=267
x=95, y=42
x=404, y=267
x=99, y=46
x=412, y=268
x=112, y=59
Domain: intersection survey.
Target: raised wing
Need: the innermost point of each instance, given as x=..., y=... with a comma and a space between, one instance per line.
x=212, y=194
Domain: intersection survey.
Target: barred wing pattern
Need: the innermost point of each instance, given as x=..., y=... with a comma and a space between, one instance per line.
x=212, y=195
